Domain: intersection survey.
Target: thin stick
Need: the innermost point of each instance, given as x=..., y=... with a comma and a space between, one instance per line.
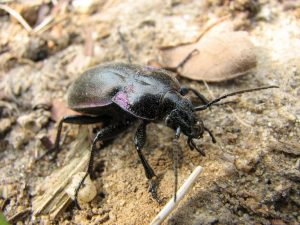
x=124, y=46
x=19, y=216
x=209, y=27
x=170, y=206
x=43, y=24
x=17, y=15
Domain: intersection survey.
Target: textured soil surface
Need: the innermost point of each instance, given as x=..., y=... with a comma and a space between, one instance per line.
x=252, y=174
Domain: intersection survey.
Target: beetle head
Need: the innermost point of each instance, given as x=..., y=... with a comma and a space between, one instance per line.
x=181, y=113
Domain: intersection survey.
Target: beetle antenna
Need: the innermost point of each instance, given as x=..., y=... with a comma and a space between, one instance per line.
x=124, y=46
x=203, y=107
x=176, y=149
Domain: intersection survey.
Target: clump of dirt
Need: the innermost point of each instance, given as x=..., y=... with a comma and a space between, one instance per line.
x=250, y=176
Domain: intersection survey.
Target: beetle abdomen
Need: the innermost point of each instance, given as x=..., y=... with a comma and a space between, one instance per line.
x=94, y=88
x=134, y=88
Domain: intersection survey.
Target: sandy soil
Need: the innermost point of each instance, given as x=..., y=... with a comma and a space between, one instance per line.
x=251, y=176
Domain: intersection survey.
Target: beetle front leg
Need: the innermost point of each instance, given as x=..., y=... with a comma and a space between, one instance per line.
x=185, y=90
x=183, y=62
x=139, y=141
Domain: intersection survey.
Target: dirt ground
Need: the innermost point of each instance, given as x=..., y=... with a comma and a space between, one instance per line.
x=252, y=174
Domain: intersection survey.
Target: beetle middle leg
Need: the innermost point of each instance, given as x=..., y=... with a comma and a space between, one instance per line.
x=104, y=134
x=139, y=141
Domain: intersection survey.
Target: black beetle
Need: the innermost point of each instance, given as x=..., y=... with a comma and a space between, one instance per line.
x=120, y=94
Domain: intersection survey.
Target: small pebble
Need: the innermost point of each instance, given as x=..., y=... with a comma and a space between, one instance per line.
x=87, y=191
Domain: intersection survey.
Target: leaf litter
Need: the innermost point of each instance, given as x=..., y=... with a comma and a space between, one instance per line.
x=218, y=55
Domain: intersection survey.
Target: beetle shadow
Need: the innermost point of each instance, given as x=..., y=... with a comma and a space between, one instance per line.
x=185, y=214
x=203, y=207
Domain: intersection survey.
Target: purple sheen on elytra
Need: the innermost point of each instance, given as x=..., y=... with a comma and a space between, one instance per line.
x=121, y=99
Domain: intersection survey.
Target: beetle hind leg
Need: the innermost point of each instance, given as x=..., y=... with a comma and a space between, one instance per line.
x=71, y=119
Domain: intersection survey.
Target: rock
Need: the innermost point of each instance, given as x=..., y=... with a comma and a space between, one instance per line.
x=87, y=191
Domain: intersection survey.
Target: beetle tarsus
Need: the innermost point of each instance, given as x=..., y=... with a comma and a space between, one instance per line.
x=153, y=183
x=77, y=204
x=193, y=146
x=139, y=141
x=213, y=139
x=77, y=190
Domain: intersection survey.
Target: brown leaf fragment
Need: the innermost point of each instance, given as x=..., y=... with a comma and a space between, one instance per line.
x=60, y=109
x=216, y=57
x=47, y=143
x=277, y=222
x=154, y=63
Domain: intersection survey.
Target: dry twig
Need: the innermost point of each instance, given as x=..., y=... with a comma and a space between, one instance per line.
x=55, y=200
x=19, y=216
x=170, y=206
x=17, y=15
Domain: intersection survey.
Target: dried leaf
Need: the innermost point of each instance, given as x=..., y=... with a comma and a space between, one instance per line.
x=60, y=109
x=277, y=222
x=46, y=142
x=217, y=57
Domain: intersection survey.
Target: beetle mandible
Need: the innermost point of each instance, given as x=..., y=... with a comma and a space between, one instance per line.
x=120, y=94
